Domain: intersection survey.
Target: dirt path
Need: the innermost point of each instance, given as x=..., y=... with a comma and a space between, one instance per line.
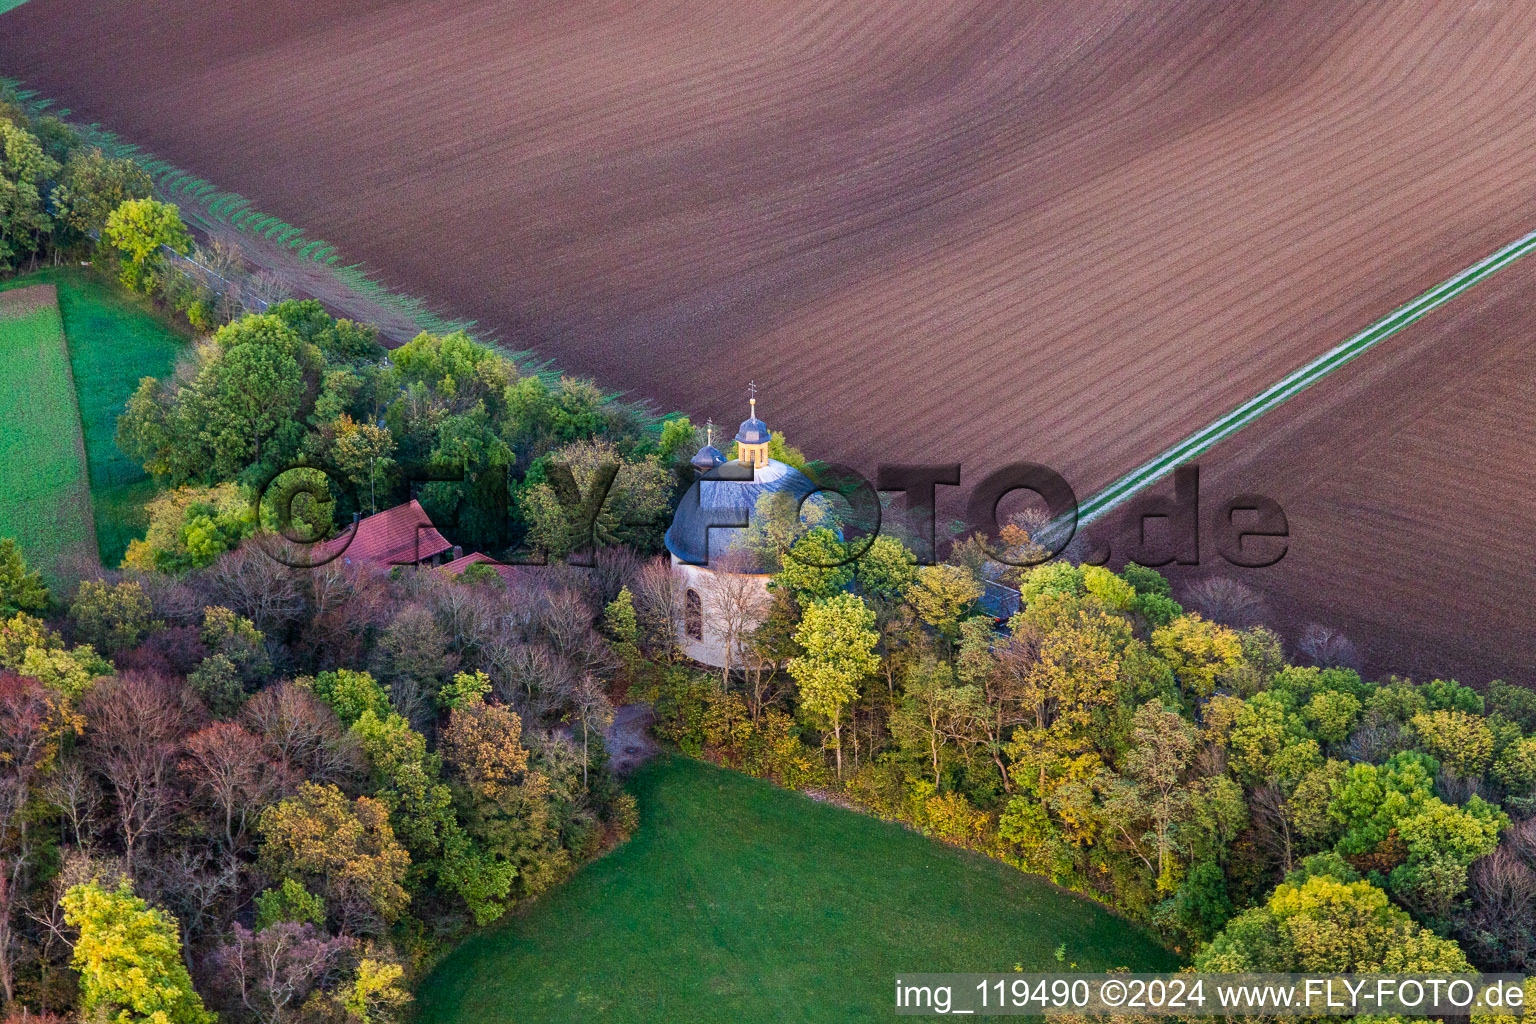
x=629, y=738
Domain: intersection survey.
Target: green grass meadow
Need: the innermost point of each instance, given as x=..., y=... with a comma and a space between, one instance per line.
x=740, y=902
x=43, y=501
x=114, y=340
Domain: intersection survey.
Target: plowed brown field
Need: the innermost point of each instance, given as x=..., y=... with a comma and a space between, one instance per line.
x=1407, y=480
x=1068, y=231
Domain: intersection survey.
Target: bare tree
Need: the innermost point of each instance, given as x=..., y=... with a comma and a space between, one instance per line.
x=197, y=888
x=344, y=603
x=1328, y=647
x=659, y=607
x=739, y=603
x=250, y=582
x=135, y=725
x=74, y=790
x=304, y=735
x=1272, y=824
x=1225, y=600
x=269, y=974
x=271, y=286
x=232, y=778
x=593, y=712
x=614, y=568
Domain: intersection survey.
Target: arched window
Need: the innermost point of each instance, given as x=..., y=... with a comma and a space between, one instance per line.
x=693, y=615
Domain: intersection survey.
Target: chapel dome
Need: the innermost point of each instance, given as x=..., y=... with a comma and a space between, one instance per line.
x=709, y=520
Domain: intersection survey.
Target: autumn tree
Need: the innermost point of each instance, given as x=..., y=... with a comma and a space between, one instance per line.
x=129, y=958
x=1198, y=651
x=1459, y=740
x=1325, y=925
x=942, y=596
x=504, y=801
x=33, y=723
x=342, y=849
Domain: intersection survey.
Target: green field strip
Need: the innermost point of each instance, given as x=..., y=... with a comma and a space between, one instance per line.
x=45, y=501
x=114, y=340
x=1299, y=380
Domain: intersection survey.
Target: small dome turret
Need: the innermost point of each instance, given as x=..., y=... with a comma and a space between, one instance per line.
x=709, y=456
x=753, y=437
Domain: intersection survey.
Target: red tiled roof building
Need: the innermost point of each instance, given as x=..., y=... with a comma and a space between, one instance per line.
x=402, y=535
x=458, y=565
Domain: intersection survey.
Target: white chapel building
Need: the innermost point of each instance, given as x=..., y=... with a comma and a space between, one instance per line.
x=704, y=551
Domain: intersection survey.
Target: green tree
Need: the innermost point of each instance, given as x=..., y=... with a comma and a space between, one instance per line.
x=1145, y=580
x=350, y=694
x=189, y=527
x=622, y=627
x=129, y=959
x=838, y=636
x=885, y=570
x=1270, y=742
x=1442, y=842
x=25, y=171
x=112, y=616
x=95, y=184
x=1449, y=695
x=408, y=780
x=1373, y=799
x=815, y=567
x=1331, y=715
x=138, y=228
x=21, y=589
x=238, y=639
x=463, y=690
x=364, y=454
x=1162, y=746
x=246, y=406
x=289, y=902
x=934, y=713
